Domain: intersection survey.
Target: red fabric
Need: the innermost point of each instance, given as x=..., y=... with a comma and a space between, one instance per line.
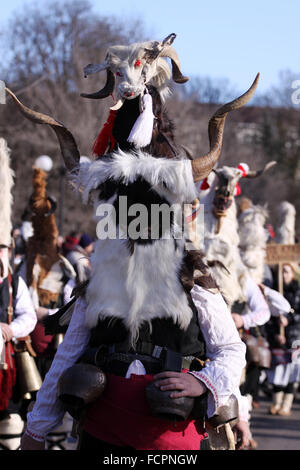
x=238, y=190
x=105, y=136
x=121, y=416
x=204, y=184
x=41, y=343
x=7, y=378
x=271, y=230
x=243, y=170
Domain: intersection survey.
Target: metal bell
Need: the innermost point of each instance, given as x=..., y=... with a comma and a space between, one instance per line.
x=28, y=374
x=80, y=385
x=168, y=408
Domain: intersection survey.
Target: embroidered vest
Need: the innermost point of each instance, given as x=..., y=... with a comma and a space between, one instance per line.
x=4, y=296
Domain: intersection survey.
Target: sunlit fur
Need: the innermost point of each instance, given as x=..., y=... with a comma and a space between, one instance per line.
x=253, y=240
x=286, y=219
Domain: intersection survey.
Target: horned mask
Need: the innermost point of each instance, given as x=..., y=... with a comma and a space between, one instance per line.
x=130, y=68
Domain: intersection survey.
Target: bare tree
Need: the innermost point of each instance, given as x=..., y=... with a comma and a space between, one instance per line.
x=46, y=48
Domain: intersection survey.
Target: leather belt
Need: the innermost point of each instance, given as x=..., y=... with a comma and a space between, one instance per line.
x=155, y=359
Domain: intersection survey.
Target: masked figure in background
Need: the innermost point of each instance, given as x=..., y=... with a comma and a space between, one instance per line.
x=17, y=318
x=49, y=276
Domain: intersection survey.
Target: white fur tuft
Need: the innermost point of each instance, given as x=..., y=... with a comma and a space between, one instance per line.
x=171, y=178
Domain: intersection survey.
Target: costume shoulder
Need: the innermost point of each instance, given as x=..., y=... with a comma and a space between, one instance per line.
x=59, y=321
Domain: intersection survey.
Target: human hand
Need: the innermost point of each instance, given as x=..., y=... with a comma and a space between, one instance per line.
x=238, y=320
x=29, y=443
x=182, y=384
x=242, y=435
x=6, y=331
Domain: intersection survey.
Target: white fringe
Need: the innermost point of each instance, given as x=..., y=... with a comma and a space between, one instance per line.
x=141, y=133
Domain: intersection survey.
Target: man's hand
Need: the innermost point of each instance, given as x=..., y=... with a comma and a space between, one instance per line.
x=28, y=443
x=242, y=434
x=186, y=384
x=238, y=320
x=6, y=332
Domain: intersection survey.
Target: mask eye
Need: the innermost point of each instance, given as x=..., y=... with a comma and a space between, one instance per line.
x=137, y=63
x=119, y=74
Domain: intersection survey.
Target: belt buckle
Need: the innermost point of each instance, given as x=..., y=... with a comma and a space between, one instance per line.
x=157, y=350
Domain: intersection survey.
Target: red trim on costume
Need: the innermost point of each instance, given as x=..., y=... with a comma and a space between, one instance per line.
x=105, y=136
x=35, y=436
x=122, y=416
x=204, y=184
x=209, y=385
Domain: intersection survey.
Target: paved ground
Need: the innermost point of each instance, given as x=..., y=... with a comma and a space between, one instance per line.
x=276, y=432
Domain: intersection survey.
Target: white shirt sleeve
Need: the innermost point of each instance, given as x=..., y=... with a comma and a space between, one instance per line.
x=48, y=411
x=277, y=303
x=25, y=317
x=224, y=348
x=259, y=312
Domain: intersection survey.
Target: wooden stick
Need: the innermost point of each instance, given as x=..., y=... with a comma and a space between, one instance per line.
x=280, y=288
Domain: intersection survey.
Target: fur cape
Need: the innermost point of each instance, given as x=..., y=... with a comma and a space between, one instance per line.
x=141, y=282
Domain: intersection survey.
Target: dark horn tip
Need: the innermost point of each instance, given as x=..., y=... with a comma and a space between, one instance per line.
x=85, y=95
x=181, y=79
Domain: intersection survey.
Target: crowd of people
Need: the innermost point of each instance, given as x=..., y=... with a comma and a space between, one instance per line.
x=277, y=320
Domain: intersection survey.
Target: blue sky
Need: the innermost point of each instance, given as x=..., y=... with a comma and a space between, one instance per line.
x=221, y=38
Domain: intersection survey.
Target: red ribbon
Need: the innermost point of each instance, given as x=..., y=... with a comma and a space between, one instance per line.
x=105, y=137
x=204, y=184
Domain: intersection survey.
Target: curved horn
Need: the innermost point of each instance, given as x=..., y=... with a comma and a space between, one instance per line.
x=106, y=91
x=170, y=52
x=66, y=140
x=94, y=68
x=169, y=39
x=255, y=174
x=188, y=152
x=202, y=166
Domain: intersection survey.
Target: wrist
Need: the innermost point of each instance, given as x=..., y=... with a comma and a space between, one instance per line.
x=36, y=437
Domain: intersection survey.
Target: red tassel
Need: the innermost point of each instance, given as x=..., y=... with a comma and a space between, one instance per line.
x=105, y=136
x=204, y=184
x=7, y=378
x=238, y=190
x=243, y=170
x=271, y=231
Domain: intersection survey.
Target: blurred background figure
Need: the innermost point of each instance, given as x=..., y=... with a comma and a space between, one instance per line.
x=79, y=257
x=51, y=279
x=284, y=337
x=17, y=318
